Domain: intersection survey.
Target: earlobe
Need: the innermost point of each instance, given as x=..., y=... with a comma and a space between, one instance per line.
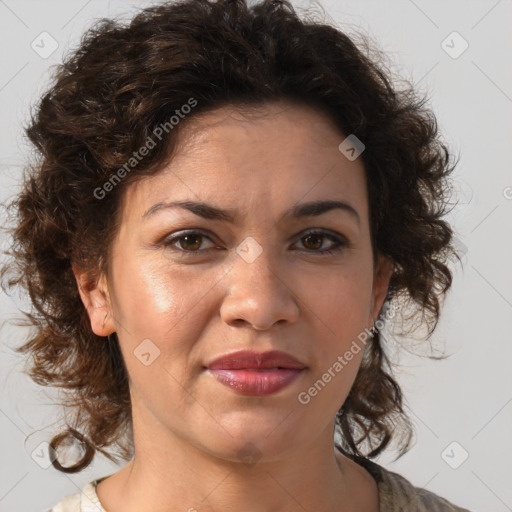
x=96, y=299
x=382, y=275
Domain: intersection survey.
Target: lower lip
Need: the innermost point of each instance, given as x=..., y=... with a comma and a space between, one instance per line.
x=256, y=382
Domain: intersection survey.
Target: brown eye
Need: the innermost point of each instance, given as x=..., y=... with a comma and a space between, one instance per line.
x=314, y=240
x=190, y=242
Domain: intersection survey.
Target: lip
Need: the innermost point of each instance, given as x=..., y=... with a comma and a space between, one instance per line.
x=256, y=373
x=252, y=360
x=256, y=382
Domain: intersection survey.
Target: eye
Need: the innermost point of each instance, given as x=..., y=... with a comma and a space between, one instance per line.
x=314, y=239
x=189, y=241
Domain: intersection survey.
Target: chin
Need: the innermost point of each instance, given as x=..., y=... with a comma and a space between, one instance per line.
x=264, y=444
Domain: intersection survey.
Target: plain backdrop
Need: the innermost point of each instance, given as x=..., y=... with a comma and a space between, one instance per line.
x=460, y=53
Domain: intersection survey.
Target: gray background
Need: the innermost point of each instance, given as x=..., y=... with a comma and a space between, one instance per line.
x=465, y=399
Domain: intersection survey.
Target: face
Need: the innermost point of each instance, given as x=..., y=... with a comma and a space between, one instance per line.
x=185, y=289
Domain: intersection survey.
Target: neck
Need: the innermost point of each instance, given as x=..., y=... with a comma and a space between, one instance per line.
x=168, y=474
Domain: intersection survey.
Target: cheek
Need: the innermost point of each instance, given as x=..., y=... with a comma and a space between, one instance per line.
x=168, y=305
x=341, y=306
x=156, y=304
x=150, y=305
x=343, y=303
x=342, y=310
x=153, y=296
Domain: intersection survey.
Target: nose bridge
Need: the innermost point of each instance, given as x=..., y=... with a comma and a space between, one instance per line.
x=256, y=262
x=257, y=293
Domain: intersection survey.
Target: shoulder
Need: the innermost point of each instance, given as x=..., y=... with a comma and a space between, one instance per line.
x=397, y=493
x=70, y=503
x=84, y=501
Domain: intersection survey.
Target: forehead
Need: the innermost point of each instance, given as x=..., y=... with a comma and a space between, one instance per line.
x=242, y=120
x=272, y=154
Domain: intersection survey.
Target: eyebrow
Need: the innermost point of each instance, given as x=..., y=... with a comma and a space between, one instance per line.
x=207, y=211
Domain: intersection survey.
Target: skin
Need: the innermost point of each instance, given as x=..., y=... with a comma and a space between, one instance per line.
x=195, y=307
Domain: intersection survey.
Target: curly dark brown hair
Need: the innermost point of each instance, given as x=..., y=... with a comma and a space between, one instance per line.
x=115, y=90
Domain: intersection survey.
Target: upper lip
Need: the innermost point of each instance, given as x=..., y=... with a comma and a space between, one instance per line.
x=252, y=360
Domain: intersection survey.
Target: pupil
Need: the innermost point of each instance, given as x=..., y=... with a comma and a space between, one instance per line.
x=318, y=237
x=187, y=238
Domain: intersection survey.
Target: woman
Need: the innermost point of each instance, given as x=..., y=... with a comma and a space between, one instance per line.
x=229, y=205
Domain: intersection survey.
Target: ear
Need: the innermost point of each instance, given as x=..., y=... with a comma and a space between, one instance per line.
x=96, y=299
x=381, y=276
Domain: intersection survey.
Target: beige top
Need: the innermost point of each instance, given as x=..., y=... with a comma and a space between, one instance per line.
x=395, y=494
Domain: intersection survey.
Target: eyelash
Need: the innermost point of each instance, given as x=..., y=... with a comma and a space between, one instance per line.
x=340, y=244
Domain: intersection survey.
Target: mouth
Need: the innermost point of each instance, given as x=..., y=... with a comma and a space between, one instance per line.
x=256, y=374
x=251, y=360
x=256, y=382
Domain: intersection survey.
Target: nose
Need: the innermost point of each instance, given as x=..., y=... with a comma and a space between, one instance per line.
x=260, y=294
